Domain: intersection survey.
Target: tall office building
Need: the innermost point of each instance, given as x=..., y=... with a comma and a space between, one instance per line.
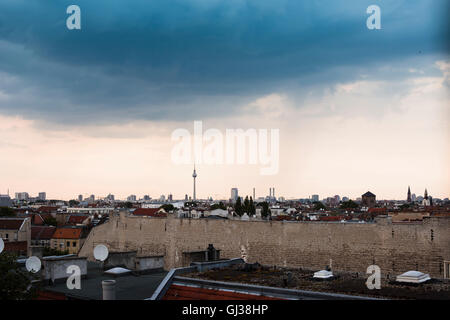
x=234, y=194
x=42, y=196
x=110, y=197
x=315, y=198
x=80, y=197
x=131, y=197
x=22, y=196
x=92, y=198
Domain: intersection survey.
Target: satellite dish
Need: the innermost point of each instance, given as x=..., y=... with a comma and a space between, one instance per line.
x=101, y=252
x=33, y=264
x=2, y=245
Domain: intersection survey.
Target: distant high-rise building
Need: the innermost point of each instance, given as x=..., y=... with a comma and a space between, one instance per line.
x=162, y=198
x=234, y=194
x=186, y=197
x=110, y=197
x=22, y=196
x=408, y=197
x=5, y=200
x=80, y=197
x=147, y=197
x=413, y=197
x=345, y=199
x=337, y=199
x=315, y=198
x=170, y=198
x=131, y=197
x=91, y=198
x=42, y=196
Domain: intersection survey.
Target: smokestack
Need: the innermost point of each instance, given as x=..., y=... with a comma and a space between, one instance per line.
x=109, y=289
x=270, y=192
x=253, y=194
x=274, y=192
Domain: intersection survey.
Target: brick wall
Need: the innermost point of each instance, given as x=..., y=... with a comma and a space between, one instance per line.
x=396, y=248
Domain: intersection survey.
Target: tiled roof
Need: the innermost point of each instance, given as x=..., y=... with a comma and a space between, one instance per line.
x=152, y=212
x=77, y=219
x=42, y=232
x=11, y=223
x=47, y=209
x=16, y=246
x=377, y=210
x=180, y=292
x=67, y=233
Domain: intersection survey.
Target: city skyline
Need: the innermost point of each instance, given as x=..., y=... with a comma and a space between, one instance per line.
x=95, y=109
x=263, y=194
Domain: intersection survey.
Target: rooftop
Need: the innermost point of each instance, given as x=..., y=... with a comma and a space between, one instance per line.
x=350, y=284
x=130, y=286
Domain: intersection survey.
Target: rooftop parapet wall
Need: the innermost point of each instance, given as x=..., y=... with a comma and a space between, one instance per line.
x=396, y=248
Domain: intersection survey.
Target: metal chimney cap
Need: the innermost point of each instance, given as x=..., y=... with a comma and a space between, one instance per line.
x=108, y=283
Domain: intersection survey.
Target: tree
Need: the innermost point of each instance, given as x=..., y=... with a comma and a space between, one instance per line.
x=318, y=205
x=247, y=205
x=15, y=282
x=219, y=205
x=265, y=211
x=73, y=203
x=53, y=252
x=350, y=204
x=50, y=221
x=238, y=207
x=6, y=212
x=168, y=207
x=252, y=207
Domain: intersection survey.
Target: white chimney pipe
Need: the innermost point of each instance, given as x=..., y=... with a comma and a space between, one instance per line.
x=109, y=289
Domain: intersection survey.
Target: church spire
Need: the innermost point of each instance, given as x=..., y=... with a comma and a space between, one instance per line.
x=408, y=199
x=426, y=194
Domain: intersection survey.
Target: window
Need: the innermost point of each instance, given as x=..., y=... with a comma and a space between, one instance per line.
x=68, y=243
x=74, y=244
x=7, y=236
x=446, y=269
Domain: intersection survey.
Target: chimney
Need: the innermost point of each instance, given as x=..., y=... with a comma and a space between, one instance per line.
x=273, y=192
x=270, y=192
x=109, y=289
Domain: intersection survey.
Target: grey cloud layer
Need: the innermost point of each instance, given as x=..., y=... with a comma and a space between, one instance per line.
x=180, y=59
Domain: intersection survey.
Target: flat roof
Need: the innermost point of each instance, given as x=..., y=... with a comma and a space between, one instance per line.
x=131, y=286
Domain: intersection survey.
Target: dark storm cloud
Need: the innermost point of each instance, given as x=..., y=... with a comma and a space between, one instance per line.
x=166, y=59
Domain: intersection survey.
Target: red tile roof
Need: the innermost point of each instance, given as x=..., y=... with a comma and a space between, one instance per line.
x=74, y=219
x=180, y=292
x=152, y=212
x=16, y=246
x=47, y=209
x=11, y=224
x=67, y=233
x=377, y=210
x=42, y=232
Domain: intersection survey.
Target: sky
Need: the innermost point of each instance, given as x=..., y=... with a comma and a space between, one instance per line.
x=92, y=111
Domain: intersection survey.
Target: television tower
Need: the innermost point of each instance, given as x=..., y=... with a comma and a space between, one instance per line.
x=194, y=175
